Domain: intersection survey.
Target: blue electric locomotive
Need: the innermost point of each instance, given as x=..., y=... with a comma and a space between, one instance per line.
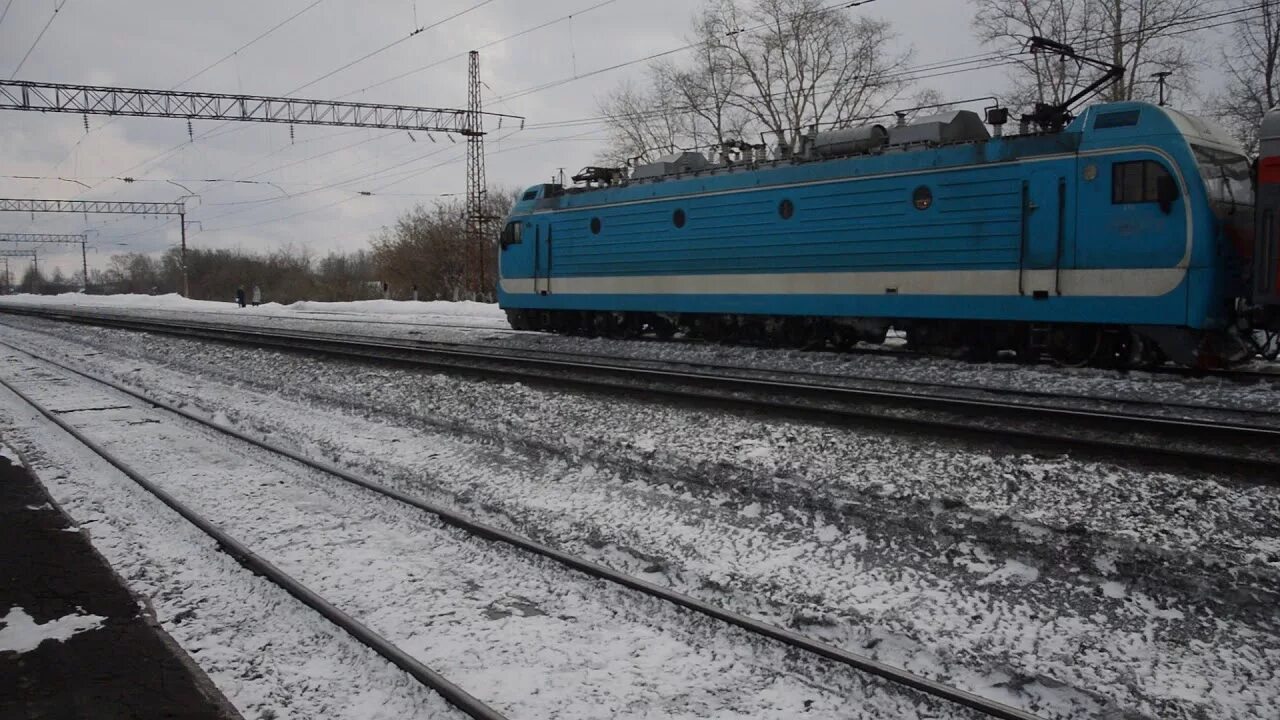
x=1127, y=236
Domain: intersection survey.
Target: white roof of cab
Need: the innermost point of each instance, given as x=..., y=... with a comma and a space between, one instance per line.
x=1271, y=125
x=1205, y=132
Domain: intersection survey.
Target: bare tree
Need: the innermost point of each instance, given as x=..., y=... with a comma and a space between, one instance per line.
x=1149, y=36
x=1252, y=66
x=1142, y=36
x=805, y=64
x=773, y=66
x=643, y=122
x=1008, y=24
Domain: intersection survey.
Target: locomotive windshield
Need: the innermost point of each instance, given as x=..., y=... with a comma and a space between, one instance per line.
x=1226, y=177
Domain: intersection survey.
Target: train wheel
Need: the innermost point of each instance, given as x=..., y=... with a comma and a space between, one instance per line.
x=628, y=326
x=663, y=328
x=1078, y=348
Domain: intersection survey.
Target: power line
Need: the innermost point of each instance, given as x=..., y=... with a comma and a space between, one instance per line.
x=204, y=70
x=245, y=46
x=57, y=7
x=485, y=46
x=390, y=45
x=5, y=12
x=563, y=81
x=942, y=68
x=209, y=134
x=937, y=69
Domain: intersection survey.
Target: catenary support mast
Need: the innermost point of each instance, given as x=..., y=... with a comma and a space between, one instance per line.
x=477, y=222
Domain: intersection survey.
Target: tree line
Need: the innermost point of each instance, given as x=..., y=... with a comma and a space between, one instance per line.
x=423, y=252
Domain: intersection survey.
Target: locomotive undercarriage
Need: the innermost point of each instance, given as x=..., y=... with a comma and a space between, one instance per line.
x=1076, y=345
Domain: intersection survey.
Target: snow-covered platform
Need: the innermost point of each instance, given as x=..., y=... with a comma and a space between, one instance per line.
x=74, y=642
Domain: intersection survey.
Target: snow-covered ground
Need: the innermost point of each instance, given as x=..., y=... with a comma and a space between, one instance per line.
x=485, y=324
x=527, y=636
x=1060, y=585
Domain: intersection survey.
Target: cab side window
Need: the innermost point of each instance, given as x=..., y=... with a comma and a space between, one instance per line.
x=511, y=233
x=1136, y=182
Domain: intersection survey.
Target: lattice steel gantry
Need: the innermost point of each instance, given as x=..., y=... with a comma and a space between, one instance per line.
x=109, y=207
x=6, y=254
x=47, y=239
x=138, y=102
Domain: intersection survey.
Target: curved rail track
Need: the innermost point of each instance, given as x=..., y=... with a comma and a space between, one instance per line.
x=468, y=704
x=1235, y=447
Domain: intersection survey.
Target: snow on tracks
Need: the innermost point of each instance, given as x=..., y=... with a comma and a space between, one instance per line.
x=321, y=536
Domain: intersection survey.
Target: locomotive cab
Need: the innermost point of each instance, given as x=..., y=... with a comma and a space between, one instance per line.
x=525, y=243
x=1266, y=272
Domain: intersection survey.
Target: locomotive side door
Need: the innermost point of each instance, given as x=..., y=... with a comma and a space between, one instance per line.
x=1044, y=233
x=541, y=258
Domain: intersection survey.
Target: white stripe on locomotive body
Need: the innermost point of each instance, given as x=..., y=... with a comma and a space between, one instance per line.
x=1109, y=282
x=1127, y=282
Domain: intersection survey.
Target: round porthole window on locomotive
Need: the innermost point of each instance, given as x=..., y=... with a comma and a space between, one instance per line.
x=677, y=218
x=595, y=226
x=786, y=209
x=922, y=198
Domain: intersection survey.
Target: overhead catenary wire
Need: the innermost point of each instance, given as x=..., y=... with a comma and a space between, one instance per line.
x=946, y=68
x=485, y=46
x=57, y=7
x=939, y=68
x=210, y=133
x=1185, y=26
x=992, y=59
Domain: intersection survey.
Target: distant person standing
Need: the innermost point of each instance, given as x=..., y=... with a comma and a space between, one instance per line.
x=415, y=292
x=240, y=295
x=386, y=290
x=257, y=296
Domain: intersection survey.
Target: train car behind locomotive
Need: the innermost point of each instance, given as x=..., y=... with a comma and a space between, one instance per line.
x=1266, y=274
x=1125, y=237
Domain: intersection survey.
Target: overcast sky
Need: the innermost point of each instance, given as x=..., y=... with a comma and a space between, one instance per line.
x=160, y=43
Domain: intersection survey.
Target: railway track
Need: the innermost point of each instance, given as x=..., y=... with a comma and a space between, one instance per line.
x=1239, y=375
x=1236, y=446
x=454, y=694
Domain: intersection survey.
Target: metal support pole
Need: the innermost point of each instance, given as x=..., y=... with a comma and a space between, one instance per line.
x=84, y=265
x=186, y=286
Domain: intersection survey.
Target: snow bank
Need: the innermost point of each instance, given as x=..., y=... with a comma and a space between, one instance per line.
x=488, y=311
x=464, y=308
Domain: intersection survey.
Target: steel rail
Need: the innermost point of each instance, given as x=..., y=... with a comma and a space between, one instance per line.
x=255, y=563
x=898, y=676
x=724, y=389
x=726, y=368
